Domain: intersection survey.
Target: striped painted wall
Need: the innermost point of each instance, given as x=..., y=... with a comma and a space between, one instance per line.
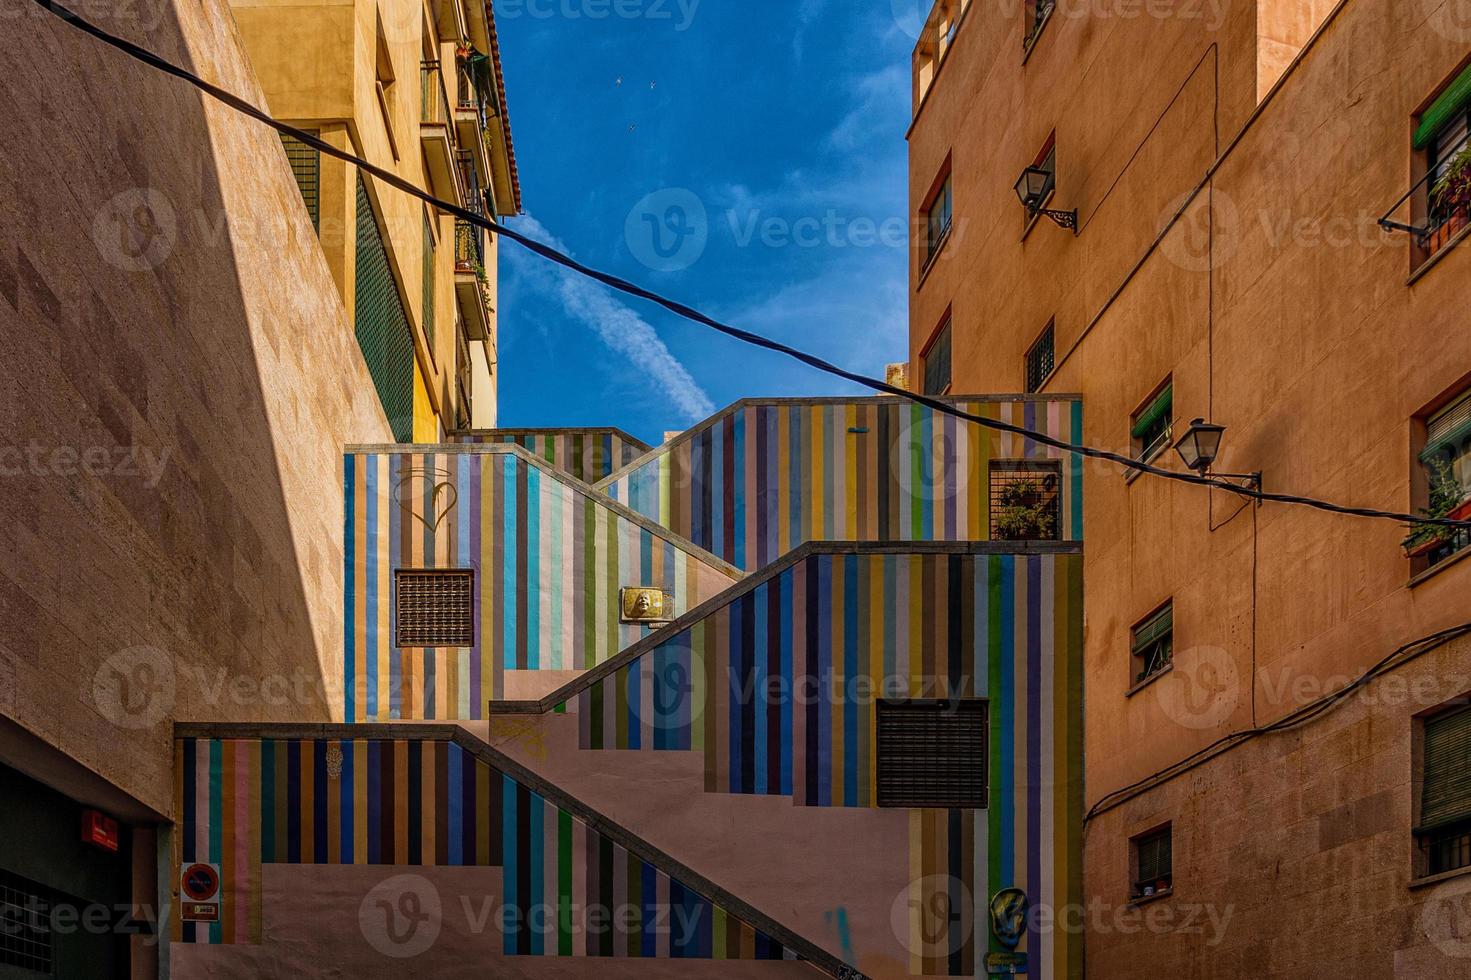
x=549, y=557
x=250, y=802
x=777, y=692
x=762, y=477
x=588, y=455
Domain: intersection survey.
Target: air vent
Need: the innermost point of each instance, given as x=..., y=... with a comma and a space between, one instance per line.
x=435, y=608
x=932, y=754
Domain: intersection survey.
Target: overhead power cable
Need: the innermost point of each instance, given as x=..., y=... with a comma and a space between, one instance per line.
x=689, y=313
x=1293, y=719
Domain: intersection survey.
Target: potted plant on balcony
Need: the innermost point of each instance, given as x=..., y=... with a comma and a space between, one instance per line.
x=1026, y=511
x=1447, y=502
x=1450, y=198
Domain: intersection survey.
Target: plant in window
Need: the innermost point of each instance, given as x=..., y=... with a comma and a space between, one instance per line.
x=1450, y=197
x=1446, y=495
x=1027, y=512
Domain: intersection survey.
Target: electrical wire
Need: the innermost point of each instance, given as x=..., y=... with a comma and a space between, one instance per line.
x=689, y=313
x=1294, y=719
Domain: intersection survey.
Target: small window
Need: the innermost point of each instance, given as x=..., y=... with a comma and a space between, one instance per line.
x=932, y=754
x=306, y=167
x=435, y=608
x=1153, y=425
x=1444, y=834
x=25, y=925
x=1026, y=504
x=1038, y=12
x=937, y=215
x=1446, y=459
x=1153, y=863
x=1153, y=644
x=1443, y=197
x=1041, y=359
x=937, y=362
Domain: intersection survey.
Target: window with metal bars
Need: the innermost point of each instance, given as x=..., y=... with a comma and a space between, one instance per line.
x=937, y=362
x=1152, y=426
x=1444, y=833
x=381, y=322
x=1026, y=500
x=434, y=608
x=1154, y=644
x=1041, y=359
x=1153, y=862
x=306, y=167
x=932, y=754
x=25, y=926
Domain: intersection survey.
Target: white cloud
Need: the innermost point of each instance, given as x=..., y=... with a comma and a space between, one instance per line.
x=620, y=329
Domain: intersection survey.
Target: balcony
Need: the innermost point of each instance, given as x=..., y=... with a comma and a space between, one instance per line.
x=471, y=121
x=437, y=134
x=472, y=283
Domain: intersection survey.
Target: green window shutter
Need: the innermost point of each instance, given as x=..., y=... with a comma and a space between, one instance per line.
x=1455, y=97
x=1446, y=795
x=1158, y=409
x=1152, y=631
x=306, y=167
x=428, y=282
x=381, y=324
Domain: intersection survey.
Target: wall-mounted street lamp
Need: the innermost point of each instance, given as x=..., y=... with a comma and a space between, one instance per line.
x=1200, y=446
x=1033, y=187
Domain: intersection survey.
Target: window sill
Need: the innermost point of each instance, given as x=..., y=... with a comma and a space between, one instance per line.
x=1427, y=880
x=1139, y=900
x=1444, y=250
x=934, y=258
x=1141, y=685
x=1434, y=570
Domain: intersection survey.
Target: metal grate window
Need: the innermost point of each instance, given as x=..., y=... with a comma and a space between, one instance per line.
x=1026, y=500
x=381, y=324
x=1154, y=862
x=1041, y=359
x=932, y=754
x=1153, y=644
x=435, y=608
x=25, y=926
x=306, y=167
x=937, y=363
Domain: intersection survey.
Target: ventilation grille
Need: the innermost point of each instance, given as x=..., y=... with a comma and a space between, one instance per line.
x=435, y=609
x=932, y=754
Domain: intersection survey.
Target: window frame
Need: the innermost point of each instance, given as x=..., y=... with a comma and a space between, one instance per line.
x=1166, y=833
x=934, y=244
x=1036, y=15
x=1046, y=159
x=1434, y=841
x=1147, y=452
x=943, y=330
x=1140, y=651
x=1454, y=450
x=1049, y=335
x=951, y=707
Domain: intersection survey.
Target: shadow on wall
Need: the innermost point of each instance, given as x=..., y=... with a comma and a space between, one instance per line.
x=176, y=390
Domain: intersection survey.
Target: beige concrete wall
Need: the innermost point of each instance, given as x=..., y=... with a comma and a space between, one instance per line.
x=141, y=326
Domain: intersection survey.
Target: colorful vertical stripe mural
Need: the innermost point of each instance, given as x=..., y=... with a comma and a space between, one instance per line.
x=762, y=477
x=588, y=455
x=568, y=889
x=778, y=691
x=549, y=557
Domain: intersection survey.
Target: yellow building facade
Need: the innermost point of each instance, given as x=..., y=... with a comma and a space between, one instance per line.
x=414, y=87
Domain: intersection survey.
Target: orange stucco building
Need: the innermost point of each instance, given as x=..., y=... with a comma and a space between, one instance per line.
x=1226, y=166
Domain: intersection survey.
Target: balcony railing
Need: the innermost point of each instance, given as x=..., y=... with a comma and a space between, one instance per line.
x=1440, y=225
x=434, y=100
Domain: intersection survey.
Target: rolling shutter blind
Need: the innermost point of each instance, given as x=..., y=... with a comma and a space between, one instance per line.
x=381, y=324
x=1452, y=100
x=1161, y=407
x=1448, y=429
x=932, y=754
x=1446, y=796
x=434, y=609
x=1156, y=858
x=1155, y=629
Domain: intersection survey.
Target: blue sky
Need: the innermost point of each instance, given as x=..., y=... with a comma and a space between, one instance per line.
x=744, y=156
